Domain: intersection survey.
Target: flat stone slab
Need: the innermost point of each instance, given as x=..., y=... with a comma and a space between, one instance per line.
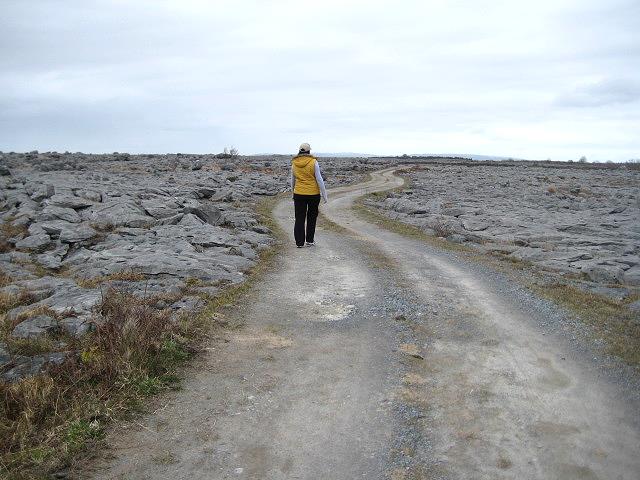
x=29, y=366
x=35, y=243
x=38, y=326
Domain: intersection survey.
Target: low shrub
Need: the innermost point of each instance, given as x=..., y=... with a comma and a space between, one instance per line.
x=47, y=419
x=441, y=229
x=9, y=230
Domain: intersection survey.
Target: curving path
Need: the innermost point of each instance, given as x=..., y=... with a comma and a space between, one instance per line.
x=375, y=356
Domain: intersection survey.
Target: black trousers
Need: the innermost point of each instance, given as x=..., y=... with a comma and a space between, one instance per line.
x=306, y=209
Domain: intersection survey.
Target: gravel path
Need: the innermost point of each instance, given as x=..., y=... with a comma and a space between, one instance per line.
x=373, y=356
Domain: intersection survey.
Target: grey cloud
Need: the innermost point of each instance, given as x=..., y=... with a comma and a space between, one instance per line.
x=607, y=92
x=416, y=76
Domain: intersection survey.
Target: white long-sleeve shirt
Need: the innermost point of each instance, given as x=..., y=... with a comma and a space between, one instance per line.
x=319, y=180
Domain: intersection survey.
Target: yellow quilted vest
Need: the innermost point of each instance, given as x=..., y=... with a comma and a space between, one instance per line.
x=304, y=173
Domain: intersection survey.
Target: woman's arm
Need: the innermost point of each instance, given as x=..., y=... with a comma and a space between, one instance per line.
x=292, y=180
x=320, y=182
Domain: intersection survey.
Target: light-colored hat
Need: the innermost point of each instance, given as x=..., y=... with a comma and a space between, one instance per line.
x=305, y=147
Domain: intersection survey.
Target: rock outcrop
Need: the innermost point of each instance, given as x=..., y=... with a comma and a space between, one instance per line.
x=182, y=226
x=576, y=222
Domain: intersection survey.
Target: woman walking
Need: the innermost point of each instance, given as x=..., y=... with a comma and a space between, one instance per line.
x=307, y=186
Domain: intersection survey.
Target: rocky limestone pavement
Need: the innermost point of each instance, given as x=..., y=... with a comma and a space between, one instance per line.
x=579, y=222
x=73, y=224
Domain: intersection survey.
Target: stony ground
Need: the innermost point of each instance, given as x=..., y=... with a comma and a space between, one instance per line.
x=181, y=226
x=373, y=355
x=576, y=222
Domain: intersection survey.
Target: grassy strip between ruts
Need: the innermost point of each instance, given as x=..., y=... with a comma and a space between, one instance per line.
x=610, y=322
x=50, y=421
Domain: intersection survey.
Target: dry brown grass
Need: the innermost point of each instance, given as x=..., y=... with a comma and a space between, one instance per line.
x=5, y=247
x=9, y=301
x=103, y=227
x=504, y=463
x=7, y=231
x=37, y=310
x=10, y=230
x=330, y=225
x=5, y=279
x=406, y=229
x=35, y=346
x=36, y=268
x=47, y=419
x=124, y=275
x=609, y=320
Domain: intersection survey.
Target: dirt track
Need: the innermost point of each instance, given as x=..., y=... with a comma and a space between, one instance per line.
x=374, y=356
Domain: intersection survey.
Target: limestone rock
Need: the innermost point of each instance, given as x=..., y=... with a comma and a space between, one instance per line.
x=68, y=201
x=453, y=212
x=53, y=212
x=34, y=243
x=206, y=213
x=174, y=220
x=160, y=208
x=191, y=220
x=76, y=326
x=42, y=192
x=5, y=356
x=475, y=225
x=89, y=195
x=73, y=299
x=53, y=259
x=29, y=366
x=632, y=276
x=120, y=213
x=74, y=233
x=604, y=273
x=35, y=327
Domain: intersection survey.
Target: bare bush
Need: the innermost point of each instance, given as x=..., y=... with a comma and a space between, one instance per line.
x=231, y=152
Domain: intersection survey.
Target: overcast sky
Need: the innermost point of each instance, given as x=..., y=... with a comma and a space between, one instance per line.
x=531, y=79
